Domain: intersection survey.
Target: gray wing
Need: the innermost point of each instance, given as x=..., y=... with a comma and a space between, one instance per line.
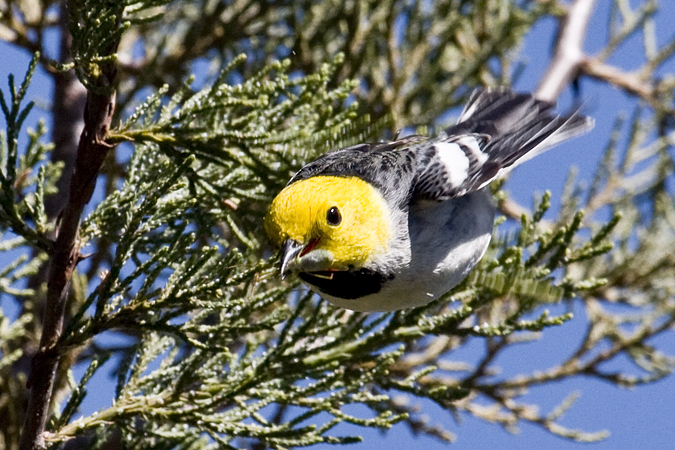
x=389, y=166
x=497, y=130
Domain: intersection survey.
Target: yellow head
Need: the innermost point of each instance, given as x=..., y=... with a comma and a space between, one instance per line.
x=328, y=223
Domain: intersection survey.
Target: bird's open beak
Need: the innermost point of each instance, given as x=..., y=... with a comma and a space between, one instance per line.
x=308, y=257
x=290, y=250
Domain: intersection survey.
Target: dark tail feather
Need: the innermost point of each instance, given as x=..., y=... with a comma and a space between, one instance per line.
x=516, y=126
x=496, y=111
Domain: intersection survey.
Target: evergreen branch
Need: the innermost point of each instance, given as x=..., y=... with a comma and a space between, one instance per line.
x=15, y=115
x=224, y=355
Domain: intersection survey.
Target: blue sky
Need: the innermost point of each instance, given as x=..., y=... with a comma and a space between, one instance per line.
x=639, y=418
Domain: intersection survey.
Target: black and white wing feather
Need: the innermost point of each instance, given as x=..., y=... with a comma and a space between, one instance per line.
x=389, y=166
x=497, y=130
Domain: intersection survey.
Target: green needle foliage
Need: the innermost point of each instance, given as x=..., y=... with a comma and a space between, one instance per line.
x=213, y=349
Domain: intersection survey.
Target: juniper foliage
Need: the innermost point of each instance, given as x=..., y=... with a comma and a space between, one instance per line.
x=216, y=351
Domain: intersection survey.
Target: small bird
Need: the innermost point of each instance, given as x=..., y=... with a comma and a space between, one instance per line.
x=393, y=225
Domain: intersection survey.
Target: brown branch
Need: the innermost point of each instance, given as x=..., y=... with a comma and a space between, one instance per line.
x=68, y=106
x=68, y=100
x=631, y=83
x=569, y=53
x=65, y=255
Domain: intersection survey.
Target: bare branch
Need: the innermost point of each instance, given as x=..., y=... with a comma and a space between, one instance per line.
x=569, y=51
x=632, y=83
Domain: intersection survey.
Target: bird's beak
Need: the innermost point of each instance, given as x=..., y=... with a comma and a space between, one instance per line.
x=308, y=257
x=290, y=250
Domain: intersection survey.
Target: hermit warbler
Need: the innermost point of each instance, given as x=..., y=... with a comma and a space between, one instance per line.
x=386, y=226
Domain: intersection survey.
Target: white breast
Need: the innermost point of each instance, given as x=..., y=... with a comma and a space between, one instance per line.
x=447, y=239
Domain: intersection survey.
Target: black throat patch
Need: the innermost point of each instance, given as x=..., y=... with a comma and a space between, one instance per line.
x=349, y=285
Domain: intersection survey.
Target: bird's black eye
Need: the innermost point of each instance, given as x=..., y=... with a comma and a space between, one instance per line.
x=333, y=217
